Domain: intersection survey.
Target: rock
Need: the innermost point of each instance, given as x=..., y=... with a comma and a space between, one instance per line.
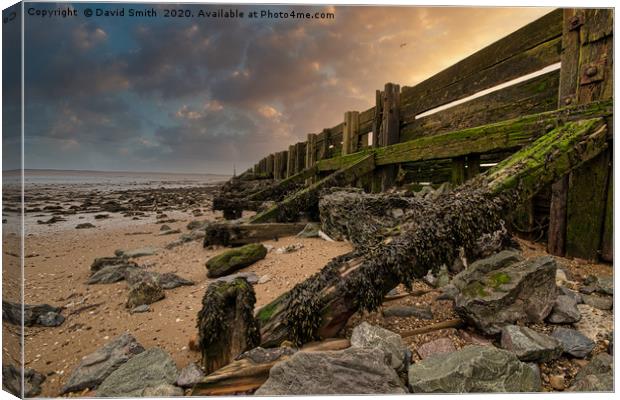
x=168, y=281
x=196, y=234
x=560, y=277
x=146, y=291
x=564, y=291
x=251, y=277
x=86, y=225
x=472, y=369
x=34, y=315
x=557, y=382
x=311, y=230
x=602, y=303
x=165, y=227
x=264, y=279
x=594, y=323
x=408, y=311
x=355, y=370
x=536, y=370
x=599, y=284
x=564, y=311
x=235, y=259
x=140, y=309
x=290, y=248
x=148, y=369
x=260, y=355
x=99, y=263
x=529, y=345
x=370, y=336
x=435, y=347
x=227, y=307
x=97, y=366
x=440, y=279
x=102, y=216
x=169, y=232
x=597, y=376
x=520, y=292
x=12, y=381
x=112, y=273
x=162, y=390
x=190, y=375
x=200, y=225
x=143, y=252
x=573, y=342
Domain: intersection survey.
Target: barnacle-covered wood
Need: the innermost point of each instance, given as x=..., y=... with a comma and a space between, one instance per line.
x=233, y=234
x=320, y=306
x=226, y=325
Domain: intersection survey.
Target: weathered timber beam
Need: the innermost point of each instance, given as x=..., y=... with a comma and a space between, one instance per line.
x=321, y=305
x=228, y=203
x=284, y=186
x=501, y=136
x=307, y=200
x=226, y=234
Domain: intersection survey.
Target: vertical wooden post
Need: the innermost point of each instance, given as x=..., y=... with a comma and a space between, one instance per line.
x=350, y=132
x=576, y=219
x=473, y=166
x=300, y=157
x=390, y=130
x=458, y=171
x=270, y=164
x=311, y=155
x=377, y=118
x=290, y=163
x=323, y=150
x=607, y=247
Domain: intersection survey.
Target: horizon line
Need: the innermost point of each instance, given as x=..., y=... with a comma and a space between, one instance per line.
x=113, y=171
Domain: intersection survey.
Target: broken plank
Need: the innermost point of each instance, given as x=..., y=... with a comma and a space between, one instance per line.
x=226, y=234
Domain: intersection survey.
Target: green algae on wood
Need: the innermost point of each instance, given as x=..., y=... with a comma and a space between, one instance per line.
x=235, y=259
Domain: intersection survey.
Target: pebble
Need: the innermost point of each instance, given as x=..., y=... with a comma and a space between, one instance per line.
x=557, y=382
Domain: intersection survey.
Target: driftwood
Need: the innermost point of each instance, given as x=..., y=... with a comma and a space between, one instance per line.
x=320, y=306
x=252, y=370
x=226, y=234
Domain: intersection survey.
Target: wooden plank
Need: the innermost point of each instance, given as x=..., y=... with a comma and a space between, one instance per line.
x=226, y=234
x=300, y=156
x=587, y=197
x=377, y=118
x=498, y=137
x=526, y=50
x=350, y=132
x=306, y=200
x=270, y=164
x=290, y=162
x=458, y=171
x=472, y=165
x=535, y=95
x=284, y=186
x=390, y=130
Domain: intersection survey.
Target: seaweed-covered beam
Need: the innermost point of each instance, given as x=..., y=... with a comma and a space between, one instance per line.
x=320, y=306
x=306, y=201
x=283, y=187
x=502, y=136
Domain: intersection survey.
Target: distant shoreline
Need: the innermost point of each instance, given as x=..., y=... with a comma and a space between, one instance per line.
x=78, y=171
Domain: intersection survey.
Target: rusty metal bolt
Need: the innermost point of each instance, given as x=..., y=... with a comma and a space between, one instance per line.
x=591, y=71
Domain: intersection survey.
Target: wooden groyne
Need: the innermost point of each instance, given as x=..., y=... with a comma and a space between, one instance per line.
x=401, y=142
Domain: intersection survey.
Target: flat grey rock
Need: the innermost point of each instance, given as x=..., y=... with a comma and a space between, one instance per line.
x=370, y=336
x=573, y=342
x=190, y=375
x=529, y=345
x=355, y=370
x=473, y=369
x=148, y=369
x=97, y=366
x=600, y=302
x=435, y=347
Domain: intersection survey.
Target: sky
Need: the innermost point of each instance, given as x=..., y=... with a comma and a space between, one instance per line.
x=203, y=94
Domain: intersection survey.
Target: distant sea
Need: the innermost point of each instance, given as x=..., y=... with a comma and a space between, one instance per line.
x=110, y=179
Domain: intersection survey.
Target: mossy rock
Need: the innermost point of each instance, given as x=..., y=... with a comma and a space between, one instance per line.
x=146, y=291
x=235, y=259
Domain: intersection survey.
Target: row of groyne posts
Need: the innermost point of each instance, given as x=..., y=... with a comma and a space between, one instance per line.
x=414, y=137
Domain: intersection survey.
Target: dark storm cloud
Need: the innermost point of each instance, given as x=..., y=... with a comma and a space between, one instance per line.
x=196, y=95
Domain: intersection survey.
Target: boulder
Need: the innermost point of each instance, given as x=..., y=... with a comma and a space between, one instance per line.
x=519, y=292
x=594, y=323
x=573, y=342
x=235, y=259
x=370, y=336
x=112, y=273
x=564, y=311
x=148, y=369
x=600, y=302
x=34, y=314
x=227, y=307
x=190, y=375
x=12, y=381
x=408, y=311
x=97, y=366
x=435, y=347
x=529, y=345
x=597, y=376
x=145, y=291
x=473, y=369
x=355, y=370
